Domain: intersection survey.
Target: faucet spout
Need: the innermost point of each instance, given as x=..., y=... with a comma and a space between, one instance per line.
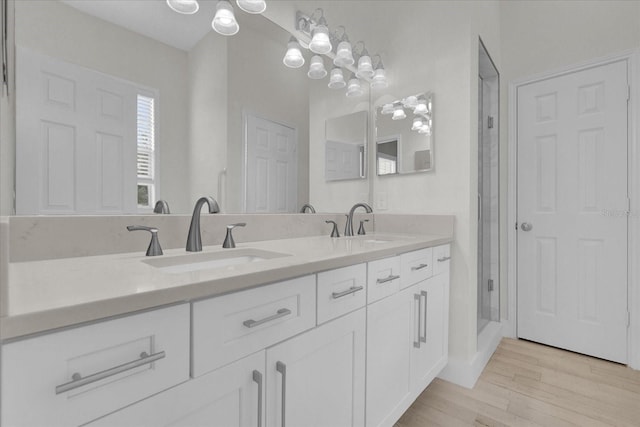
x=307, y=207
x=194, y=239
x=348, y=228
x=161, y=207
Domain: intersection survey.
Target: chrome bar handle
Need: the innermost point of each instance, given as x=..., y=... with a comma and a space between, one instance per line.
x=416, y=297
x=444, y=258
x=79, y=381
x=351, y=290
x=280, y=313
x=282, y=368
x=257, y=377
x=387, y=279
x=425, y=295
x=419, y=267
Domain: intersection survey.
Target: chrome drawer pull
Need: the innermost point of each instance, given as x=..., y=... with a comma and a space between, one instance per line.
x=351, y=290
x=79, y=381
x=444, y=258
x=416, y=297
x=257, y=377
x=387, y=279
x=282, y=368
x=426, y=304
x=280, y=313
x=419, y=267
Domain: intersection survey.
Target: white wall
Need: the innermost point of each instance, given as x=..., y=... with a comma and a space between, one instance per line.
x=57, y=30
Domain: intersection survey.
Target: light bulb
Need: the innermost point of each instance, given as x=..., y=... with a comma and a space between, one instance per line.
x=336, y=79
x=398, y=113
x=354, y=88
x=252, y=6
x=293, y=58
x=316, y=68
x=186, y=7
x=225, y=22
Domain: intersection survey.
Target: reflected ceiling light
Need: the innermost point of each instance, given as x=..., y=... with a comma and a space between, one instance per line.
x=320, y=41
x=186, y=7
x=252, y=6
x=379, y=79
x=365, y=67
x=387, y=109
x=410, y=101
x=344, y=53
x=293, y=58
x=425, y=129
x=336, y=79
x=225, y=22
x=398, y=113
x=417, y=123
x=421, y=108
x=354, y=88
x=316, y=68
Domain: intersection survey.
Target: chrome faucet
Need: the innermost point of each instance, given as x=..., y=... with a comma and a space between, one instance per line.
x=348, y=228
x=161, y=207
x=154, y=248
x=194, y=240
x=228, y=239
x=307, y=208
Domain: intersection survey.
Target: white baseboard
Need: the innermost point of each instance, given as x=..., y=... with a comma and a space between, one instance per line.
x=466, y=373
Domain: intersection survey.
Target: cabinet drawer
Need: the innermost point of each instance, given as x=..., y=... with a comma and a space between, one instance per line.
x=383, y=278
x=416, y=266
x=341, y=291
x=70, y=377
x=232, y=326
x=441, y=257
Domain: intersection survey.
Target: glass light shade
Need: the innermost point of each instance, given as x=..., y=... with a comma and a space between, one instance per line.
x=425, y=129
x=336, y=79
x=316, y=68
x=354, y=88
x=320, y=42
x=398, y=113
x=252, y=6
x=387, y=109
x=344, y=55
x=417, y=123
x=421, y=108
x=410, y=101
x=365, y=68
x=186, y=7
x=379, y=79
x=293, y=58
x=225, y=22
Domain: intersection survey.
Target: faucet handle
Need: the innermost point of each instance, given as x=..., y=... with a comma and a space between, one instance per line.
x=361, y=229
x=154, y=248
x=228, y=240
x=334, y=232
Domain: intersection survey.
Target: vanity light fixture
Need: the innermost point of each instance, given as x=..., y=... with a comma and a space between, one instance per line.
x=336, y=79
x=354, y=88
x=387, y=109
x=186, y=7
x=316, y=68
x=224, y=22
x=293, y=58
x=417, y=123
x=252, y=6
x=398, y=112
x=365, y=67
x=344, y=53
x=320, y=41
x=421, y=108
x=410, y=101
x=379, y=79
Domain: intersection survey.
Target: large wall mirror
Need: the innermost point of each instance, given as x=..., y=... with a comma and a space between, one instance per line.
x=404, y=135
x=346, y=147
x=214, y=98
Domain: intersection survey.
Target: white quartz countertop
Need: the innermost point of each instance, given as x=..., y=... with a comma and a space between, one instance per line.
x=44, y=295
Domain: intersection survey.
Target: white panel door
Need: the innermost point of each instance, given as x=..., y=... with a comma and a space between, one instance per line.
x=76, y=139
x=572, y=192
x=271, y=172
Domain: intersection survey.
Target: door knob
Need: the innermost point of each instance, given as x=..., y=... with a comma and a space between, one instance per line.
x=525, y=226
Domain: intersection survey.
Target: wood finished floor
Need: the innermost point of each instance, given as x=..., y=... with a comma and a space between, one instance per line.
x=528, y=384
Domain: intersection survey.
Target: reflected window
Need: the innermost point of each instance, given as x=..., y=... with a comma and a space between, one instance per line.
x=387, y=157
x=146, y=151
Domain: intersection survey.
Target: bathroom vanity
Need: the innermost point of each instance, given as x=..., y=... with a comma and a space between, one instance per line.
x=292, y=332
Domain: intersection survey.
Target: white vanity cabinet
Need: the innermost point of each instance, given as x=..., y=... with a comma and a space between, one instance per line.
x=70, y=377
x=407, y=339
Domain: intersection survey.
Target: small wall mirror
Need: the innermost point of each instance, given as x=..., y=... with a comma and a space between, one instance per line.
x=345, y=147
x=404, y=135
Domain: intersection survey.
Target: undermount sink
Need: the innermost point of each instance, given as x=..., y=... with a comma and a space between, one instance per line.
x=210, y=260
x=382, y=238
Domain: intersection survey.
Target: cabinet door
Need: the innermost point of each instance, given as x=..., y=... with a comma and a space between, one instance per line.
x=317, y=378
x=230, y=396
x=391, y=336
x=428, y=359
